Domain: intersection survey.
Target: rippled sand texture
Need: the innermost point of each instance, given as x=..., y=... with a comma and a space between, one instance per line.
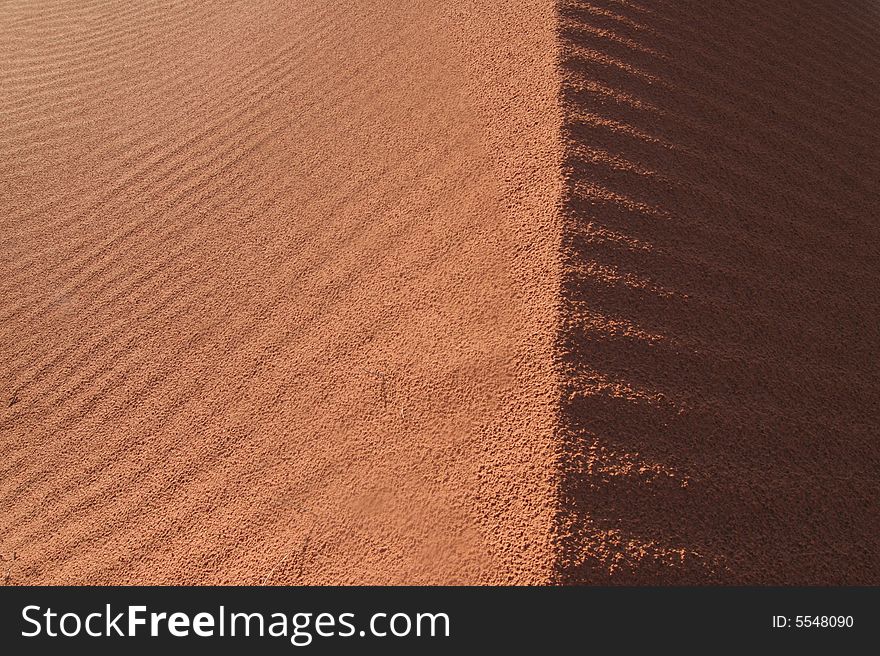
x=277, y=286
x=721, y=328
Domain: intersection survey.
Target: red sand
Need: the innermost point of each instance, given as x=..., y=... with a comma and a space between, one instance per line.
x=463, y=292
x=278, y=291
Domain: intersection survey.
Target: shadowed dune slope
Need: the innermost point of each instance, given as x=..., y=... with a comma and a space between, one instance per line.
x=278, y=291
x=721, y=322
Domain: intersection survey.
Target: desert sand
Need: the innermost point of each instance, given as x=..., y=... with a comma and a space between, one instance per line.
x=505, y=292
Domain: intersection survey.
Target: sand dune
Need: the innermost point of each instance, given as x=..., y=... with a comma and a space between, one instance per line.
x=460, y=292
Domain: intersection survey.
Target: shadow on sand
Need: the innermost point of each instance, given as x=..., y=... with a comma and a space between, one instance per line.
x=719, y=348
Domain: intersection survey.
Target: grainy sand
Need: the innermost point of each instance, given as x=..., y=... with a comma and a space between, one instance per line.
x=278, y=291
x=508, y=291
